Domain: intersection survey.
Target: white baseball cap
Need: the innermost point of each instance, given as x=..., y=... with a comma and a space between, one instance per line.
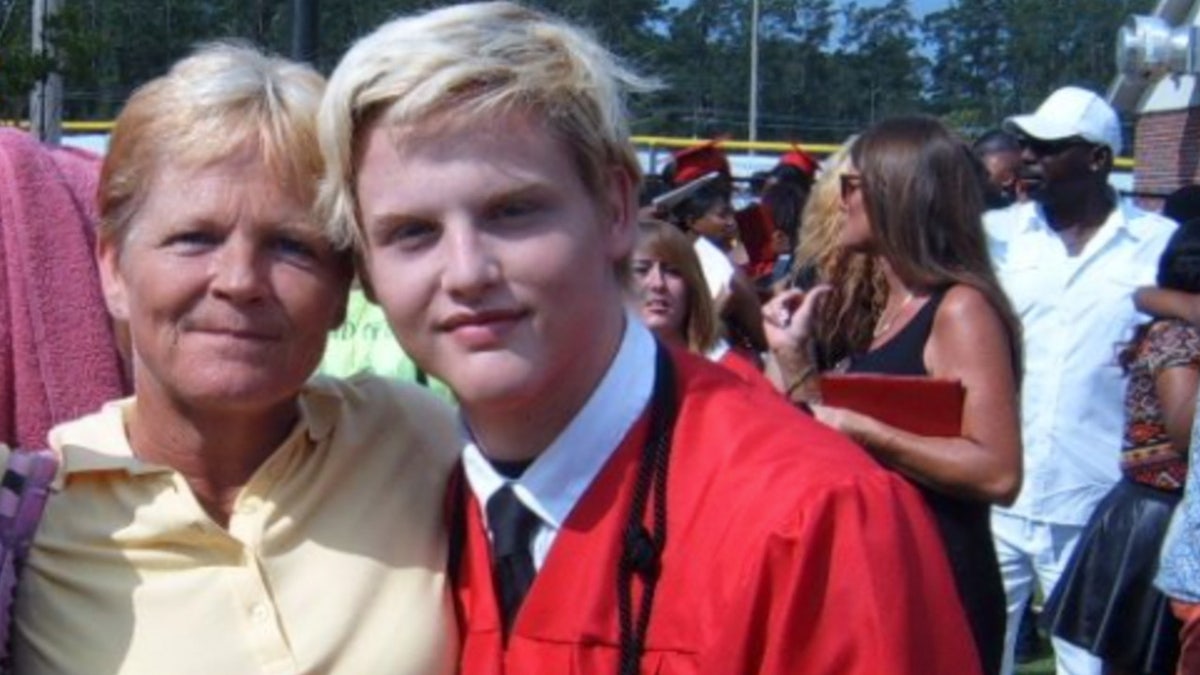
x=1071, y=112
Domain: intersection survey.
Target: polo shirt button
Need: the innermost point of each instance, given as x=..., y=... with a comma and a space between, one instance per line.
x=259, y=613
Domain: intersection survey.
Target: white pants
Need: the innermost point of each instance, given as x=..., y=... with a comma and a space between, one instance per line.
x=1030, y=550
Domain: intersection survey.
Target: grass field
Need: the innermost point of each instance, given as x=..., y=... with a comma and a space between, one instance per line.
x=1043, y=666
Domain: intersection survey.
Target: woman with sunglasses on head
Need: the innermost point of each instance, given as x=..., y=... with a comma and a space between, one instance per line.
x=911, y=200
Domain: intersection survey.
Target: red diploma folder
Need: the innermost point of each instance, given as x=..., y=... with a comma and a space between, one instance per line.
x=921, y=405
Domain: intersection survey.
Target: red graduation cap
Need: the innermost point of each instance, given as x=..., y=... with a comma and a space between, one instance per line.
x=800, y=159
x=698, y=160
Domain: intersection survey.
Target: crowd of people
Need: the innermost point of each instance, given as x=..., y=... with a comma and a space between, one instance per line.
x=633, y=460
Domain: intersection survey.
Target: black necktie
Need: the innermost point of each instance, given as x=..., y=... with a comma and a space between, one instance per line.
x=513, y=527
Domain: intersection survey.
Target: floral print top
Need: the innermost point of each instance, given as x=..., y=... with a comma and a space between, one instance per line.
x=1146, y=454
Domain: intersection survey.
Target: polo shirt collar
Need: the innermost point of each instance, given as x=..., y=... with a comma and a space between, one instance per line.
x=99, y=442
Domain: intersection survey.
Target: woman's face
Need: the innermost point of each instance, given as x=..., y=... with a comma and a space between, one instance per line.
x=227, y=287
x=662, y=296
x=856, y=228
x=717, y=224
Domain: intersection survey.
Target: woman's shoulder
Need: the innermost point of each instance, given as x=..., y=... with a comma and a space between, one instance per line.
x=367, y=408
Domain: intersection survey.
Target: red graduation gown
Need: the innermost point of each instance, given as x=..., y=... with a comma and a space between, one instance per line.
x=788, y=551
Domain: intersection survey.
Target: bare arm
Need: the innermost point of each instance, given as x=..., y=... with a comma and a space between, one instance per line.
x=1176, y=391
x=969, y=344
x=1166, y=303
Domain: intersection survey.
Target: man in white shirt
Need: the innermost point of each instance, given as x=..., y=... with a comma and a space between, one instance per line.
x=1069, y=259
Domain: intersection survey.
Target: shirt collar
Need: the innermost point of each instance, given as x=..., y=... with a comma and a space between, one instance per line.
x=560, y=474
x=99, y=442
x=1122, y=219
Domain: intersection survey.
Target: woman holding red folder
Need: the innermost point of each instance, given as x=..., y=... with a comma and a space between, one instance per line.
x=912, y=200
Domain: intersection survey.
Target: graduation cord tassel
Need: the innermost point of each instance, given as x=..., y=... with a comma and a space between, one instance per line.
x=641, y=552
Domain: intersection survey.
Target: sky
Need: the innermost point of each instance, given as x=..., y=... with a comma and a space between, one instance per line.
x=919, y=7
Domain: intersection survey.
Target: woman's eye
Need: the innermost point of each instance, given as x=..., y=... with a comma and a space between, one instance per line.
x=194, y=239
x=295, y=247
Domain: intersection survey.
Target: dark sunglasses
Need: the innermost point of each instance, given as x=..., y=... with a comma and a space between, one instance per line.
x=1043, y=148
x=850, y=183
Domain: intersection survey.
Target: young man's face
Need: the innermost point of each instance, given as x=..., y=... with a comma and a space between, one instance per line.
x=492, y=261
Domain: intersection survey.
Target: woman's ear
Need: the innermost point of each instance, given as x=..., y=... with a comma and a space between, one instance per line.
x=112, y=282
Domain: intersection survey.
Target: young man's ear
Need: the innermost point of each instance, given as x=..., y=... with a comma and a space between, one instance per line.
x=623, y=213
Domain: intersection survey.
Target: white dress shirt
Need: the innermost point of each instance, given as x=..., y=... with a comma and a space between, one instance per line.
x=1075, y=311
x=715, y=264
x=556, y=480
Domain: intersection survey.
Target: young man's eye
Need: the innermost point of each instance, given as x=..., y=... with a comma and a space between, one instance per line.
x=515, y=209
x=408, y=234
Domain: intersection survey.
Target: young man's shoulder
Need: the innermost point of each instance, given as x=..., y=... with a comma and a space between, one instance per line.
x=746, y=435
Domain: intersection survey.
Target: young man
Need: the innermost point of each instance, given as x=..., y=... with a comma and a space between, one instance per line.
x=623, y=508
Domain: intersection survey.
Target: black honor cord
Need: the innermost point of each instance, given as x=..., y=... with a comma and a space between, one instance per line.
x=641, y=552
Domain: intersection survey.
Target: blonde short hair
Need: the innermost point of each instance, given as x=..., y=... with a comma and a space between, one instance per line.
x=222, y=99
x=470, y=63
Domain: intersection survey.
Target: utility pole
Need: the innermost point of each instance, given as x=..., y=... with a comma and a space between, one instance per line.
x=753, y=71
x=304, y=30
x=45, y=103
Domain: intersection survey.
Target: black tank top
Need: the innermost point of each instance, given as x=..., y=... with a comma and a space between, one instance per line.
x=904, y=354
x=963, y=524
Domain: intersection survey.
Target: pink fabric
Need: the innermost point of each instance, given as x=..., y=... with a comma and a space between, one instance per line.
x=58, y=356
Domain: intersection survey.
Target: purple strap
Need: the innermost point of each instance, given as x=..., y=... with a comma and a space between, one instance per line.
x=23, y=491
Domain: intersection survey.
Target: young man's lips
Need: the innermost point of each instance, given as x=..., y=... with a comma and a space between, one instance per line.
x=481, y=330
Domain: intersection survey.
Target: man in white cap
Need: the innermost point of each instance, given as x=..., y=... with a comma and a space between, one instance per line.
x=1069, y=259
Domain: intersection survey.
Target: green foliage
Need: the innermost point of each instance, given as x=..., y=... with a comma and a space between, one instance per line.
x=827, y=68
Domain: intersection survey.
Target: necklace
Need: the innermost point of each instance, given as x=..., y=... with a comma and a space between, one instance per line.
x=885, y=322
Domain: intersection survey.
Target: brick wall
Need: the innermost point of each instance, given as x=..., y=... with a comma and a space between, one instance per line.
x=1167, y=150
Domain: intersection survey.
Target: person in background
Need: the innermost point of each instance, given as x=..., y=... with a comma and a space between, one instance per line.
x=768, y=226
x=1179, y=566
x=707, y=217
x=1000, y=153
x=783, y=204
x=911, y=199
x=364, y=344
x=670, y=296
x=1106, y=601
x=623, y=507
x=1183, y=204
x=1069, y=259
x=194, y=527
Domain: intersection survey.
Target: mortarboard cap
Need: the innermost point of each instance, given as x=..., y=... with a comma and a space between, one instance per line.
x=699, y=160
x=798, y=158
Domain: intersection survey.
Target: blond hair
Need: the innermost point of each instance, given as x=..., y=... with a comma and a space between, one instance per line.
x=470, y=63
x=222, y=99
x=847, y=316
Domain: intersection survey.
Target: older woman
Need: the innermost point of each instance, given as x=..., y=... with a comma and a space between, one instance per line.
x=229, y=517
x=911, y=200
